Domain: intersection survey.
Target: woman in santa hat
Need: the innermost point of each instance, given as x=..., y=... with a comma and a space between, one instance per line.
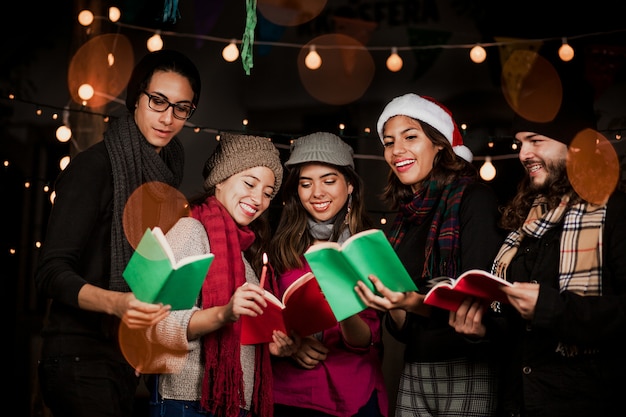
x=446, y=224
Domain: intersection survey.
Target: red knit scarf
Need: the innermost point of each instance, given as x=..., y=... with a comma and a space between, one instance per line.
x=222, y=385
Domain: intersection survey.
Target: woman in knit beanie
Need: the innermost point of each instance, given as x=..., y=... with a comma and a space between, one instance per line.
x=220, y=376
x=446, y=224
x=82, y=371
x=338, y=371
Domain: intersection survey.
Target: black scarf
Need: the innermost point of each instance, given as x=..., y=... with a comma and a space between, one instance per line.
x=135, y=162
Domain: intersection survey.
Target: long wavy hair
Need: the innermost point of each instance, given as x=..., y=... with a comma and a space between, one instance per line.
x=557, y=185
x=292, y=237
x=447, y=167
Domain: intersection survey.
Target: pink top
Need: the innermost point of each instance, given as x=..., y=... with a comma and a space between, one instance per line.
x=341, y=384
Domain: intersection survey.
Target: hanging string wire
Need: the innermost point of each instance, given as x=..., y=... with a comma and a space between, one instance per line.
x=253, y=21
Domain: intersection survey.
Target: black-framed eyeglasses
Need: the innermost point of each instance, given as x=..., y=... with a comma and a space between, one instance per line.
x=182, y=111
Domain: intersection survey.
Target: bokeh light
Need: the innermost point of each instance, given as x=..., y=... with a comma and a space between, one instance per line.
x=152, y=204
x=347, y=71
x=290, y=12
x=146, y=356
x=91, y=65
x=593, y=166
x=531, y=86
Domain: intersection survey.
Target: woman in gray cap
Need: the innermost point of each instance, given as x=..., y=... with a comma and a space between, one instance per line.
x=218, y=376
x=82, y=371
x=336, y=372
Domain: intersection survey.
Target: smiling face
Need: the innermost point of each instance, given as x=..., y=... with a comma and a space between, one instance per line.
x=408, y=150
x=323, y=190
x=160, y=127
x=246, y=195
x=542, y=157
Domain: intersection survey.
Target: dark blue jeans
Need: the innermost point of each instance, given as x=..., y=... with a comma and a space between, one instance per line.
x=87, y=387
x=177, y=408
x=160, y=407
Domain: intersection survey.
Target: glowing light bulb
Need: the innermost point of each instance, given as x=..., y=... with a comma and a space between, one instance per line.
x=63, y=133
x=110, y=59
x=478, y=54
x=85, y=17
x=394, y=62
x=114, y=14
x=230, y=53
x=64, y=161
x=487, y=171
x=566, y=52
x=85, y=92
x=155, y=43
x=313, y=60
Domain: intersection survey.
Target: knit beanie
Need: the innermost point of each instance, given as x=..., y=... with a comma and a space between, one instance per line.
x=427, y=110
x=236, y=153
x=575, y=113
x=167, y=60
x=321, y=147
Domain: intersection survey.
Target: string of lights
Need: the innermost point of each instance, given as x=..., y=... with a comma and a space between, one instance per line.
x=313, y=60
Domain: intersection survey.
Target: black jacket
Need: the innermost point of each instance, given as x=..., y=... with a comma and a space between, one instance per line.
x=432, y=339
x=538, y=381
x=77, y=249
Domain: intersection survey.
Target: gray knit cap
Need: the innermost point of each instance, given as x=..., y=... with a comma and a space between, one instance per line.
x=321, y=147
x=236, y=153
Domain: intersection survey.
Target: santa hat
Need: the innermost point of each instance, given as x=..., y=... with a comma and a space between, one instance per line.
x=427, y=110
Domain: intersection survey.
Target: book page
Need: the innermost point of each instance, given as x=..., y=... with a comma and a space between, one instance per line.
x=449, y=293
x=295, y=285
x=482, y=284
x=158, y=234
x=273, y=299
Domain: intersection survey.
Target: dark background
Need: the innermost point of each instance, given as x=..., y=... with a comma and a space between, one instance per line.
x=39, y=39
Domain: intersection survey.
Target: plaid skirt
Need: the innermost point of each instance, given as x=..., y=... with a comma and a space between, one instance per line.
x=454, y=388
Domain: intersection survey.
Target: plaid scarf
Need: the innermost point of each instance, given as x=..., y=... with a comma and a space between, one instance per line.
x=580, y=264
x=443, y=234
x=222, y=385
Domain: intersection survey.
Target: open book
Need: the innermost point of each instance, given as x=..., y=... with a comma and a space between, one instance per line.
x=303, y=309
x=449, y=293
x=154, y=276
x=338, y=268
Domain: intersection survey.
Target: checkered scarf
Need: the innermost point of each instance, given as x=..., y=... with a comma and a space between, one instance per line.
x=580, y=266
x=444, y=229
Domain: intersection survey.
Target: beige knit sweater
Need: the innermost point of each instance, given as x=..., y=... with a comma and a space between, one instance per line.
x=188, y=237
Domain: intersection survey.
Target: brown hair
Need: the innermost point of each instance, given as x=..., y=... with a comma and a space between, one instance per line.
x=447, y=166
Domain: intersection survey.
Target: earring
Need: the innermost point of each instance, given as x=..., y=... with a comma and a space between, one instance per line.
x=347, y=219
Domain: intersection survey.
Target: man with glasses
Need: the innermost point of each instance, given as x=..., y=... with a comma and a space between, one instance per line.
x=82, y=371
x=182, y=110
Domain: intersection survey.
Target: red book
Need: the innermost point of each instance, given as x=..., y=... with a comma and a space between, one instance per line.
x=449, y=293
x=303, y=310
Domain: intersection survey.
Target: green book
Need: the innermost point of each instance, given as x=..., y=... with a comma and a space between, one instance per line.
x=154, y=276
x=339, y=267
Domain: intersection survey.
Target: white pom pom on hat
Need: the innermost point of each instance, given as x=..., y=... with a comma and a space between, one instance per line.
x=428, y=110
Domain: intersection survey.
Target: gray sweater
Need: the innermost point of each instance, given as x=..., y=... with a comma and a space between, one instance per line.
x=188, y=237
